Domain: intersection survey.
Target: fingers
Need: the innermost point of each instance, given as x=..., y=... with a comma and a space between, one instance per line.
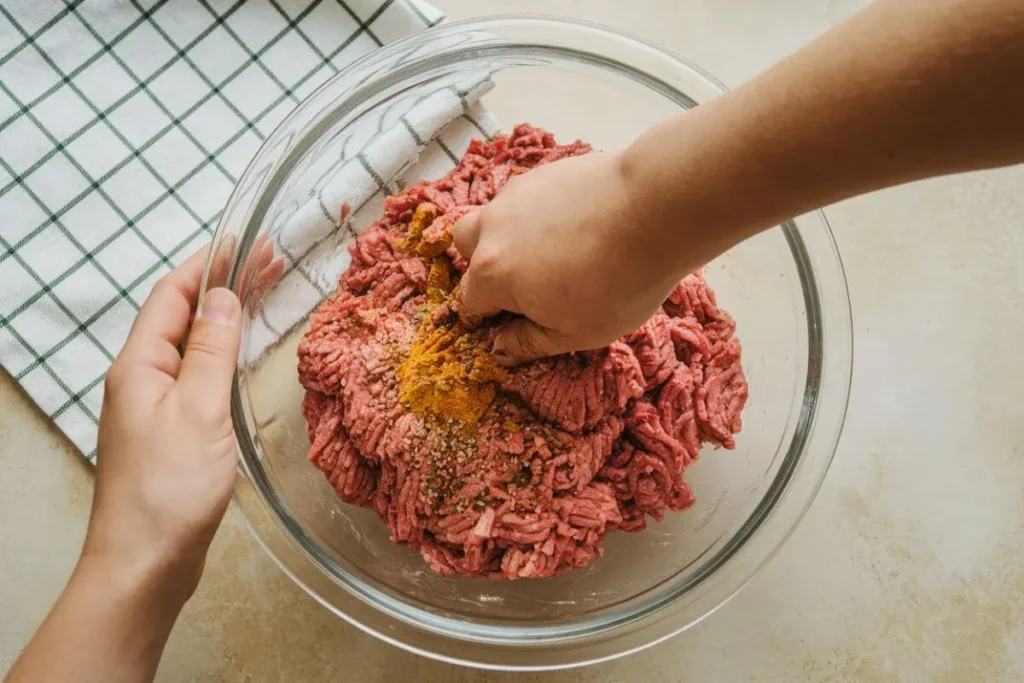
x=475, y=296
x=212, y=354
x=261, y=254
x=264, y=281
x=221, y=263
x=524, y=340
x=162, y=322
x=466, y=233
x=473, y=300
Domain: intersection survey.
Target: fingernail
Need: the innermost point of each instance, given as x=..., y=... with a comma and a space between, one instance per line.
x=219, y=305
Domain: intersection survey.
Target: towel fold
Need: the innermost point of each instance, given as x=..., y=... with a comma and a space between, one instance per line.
x=124, y=127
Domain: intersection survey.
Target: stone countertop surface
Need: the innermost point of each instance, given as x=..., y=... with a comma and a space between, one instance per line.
x=908, y=566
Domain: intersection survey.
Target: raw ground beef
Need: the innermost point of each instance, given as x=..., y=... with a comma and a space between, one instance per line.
x=569, y=448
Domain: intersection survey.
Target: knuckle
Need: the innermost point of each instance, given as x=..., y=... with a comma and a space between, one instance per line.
x=213, y=419
x=467, y=291
x=205, y=347
x=114, y=378
x=486, y=262
x=162, y=285
x=465, y=224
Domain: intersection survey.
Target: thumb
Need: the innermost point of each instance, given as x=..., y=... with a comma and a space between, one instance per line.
x=523, y=340
x=476, y=298
x=466, y=233
x=473, y=299
x=211, y=354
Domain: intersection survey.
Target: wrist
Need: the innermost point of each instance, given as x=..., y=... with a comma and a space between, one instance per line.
x=659, y=225
x=141, y=574
x=122, y=614
x=689, y=181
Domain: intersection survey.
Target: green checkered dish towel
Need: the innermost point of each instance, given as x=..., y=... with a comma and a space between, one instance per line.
x=124, y=126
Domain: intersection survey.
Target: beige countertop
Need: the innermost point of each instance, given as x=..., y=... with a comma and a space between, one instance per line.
x=908, y=566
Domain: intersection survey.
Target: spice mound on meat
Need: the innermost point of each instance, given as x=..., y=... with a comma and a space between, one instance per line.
x=493, y=472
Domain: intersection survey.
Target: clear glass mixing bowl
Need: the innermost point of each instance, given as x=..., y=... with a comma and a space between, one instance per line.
x=785, y=288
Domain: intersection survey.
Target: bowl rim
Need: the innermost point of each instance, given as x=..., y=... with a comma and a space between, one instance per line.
x=249, y=460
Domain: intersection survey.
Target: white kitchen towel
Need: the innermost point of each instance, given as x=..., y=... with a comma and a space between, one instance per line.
x=417, y=134
x=124, y=125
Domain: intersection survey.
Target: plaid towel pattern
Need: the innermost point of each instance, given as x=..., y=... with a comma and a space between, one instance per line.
x=124, y=125
x=420, y=135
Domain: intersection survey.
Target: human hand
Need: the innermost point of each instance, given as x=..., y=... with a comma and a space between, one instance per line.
x=166, y=445
x=564, y=246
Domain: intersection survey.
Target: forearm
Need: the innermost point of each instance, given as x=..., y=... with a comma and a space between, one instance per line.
x=166, y=468
x=108, y=626
x=908, y=89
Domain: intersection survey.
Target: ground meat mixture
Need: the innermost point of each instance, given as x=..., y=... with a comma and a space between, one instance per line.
x=500, y=473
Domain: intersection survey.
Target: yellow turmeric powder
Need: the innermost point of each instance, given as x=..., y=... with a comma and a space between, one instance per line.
x=440, y=281
x=421, y=219
x=448, y=374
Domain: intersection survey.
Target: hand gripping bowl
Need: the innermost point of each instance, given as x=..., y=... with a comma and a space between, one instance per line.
x=785, y=288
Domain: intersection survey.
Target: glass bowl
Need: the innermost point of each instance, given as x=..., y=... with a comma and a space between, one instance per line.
x=785, y=288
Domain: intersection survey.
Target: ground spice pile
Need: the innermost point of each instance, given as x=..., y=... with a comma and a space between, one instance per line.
x=448, y=373
x=494, y=473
